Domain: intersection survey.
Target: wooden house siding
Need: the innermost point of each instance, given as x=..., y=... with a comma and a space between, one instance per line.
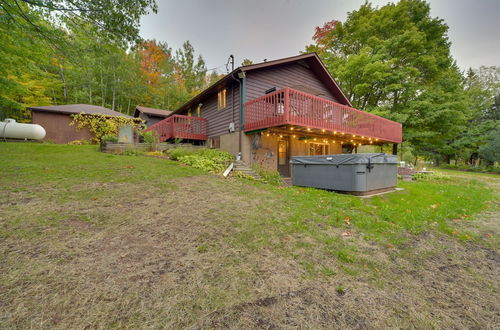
x=57, y=127
x=151, y=120
x=293, y=75
x=218, y=120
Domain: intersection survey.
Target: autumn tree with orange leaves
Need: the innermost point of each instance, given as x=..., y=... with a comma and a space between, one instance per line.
x=171, y=80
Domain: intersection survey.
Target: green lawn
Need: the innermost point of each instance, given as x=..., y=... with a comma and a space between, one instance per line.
x=468, y=173
x=96, y=240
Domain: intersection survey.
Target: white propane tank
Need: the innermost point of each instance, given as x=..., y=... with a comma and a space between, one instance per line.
x=12, y=130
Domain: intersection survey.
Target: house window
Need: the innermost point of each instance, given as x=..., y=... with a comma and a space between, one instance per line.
x=222, y=99
x=318, y=149
x=190, y=113
x=198, y=111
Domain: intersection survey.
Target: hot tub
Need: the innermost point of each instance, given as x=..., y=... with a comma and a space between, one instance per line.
x=360, y=174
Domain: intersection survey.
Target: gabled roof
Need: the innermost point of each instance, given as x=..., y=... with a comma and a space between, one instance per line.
x=151, y=111
x=78, y=108
x=311, y=59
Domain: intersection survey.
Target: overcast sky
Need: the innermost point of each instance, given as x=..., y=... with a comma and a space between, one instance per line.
x=271, y=29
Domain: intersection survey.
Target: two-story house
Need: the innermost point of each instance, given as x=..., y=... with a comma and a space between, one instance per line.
x=270, y=111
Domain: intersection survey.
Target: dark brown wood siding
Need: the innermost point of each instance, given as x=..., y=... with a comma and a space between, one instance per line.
x=149, y=119
x=293, y=75
x=57, y=127
x=218, y=120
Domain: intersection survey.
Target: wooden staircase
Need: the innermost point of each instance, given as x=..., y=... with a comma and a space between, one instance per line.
x=241, y=167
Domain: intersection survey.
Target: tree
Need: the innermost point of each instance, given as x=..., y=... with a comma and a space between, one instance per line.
x=190, y=73
x=490, y=151
x=55, y=61
x=246, y=61
x=482, y=90
x=28, y=74
x=395, y=61
x=118, y=19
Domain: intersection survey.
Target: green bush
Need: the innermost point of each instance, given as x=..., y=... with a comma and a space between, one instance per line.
x=150, y=137
x=132, y=152
x=178, y=152
x=210, y=160
x=270, y=176
x=202, y=163
x=109, y=138
x=430, y=176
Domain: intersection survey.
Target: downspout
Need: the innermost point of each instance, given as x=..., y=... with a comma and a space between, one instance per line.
x=242, y=85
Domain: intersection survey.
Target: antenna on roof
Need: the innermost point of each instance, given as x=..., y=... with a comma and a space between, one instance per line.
x=265, y=60
x=230, y=60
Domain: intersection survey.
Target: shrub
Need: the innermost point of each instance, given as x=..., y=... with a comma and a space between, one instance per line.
x=131, y=152
x=430, y=176
x=178, y=152
x=109, y=138
x=210, y=160
x=270, y=176
x=152, y=139
x=203, y=163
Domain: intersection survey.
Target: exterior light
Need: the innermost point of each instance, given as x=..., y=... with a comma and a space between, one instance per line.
x=308, y=129
x=353, y=135
x=362, y=137
x=342, y=133
x=323, y=130
x=267, y=134
x=291, y=128
x=281, y=136
x=376, y=139
x=293, y=136
x=334, y=132
x=314, y=139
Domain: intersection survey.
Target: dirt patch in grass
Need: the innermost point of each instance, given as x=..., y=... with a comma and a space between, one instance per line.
x=77, y=224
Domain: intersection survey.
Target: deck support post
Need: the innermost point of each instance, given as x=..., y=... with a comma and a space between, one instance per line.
x=395, y=149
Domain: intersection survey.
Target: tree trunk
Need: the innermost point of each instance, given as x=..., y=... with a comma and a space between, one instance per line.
x=65, y=87
x=90, y=93
x=114, y=92
x=103, y=90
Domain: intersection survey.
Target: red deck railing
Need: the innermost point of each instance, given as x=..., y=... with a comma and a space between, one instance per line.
x=291, y=107
x=181, y=127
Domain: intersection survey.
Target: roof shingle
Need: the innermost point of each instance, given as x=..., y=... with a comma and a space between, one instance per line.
x=78, y=108
x=152, y=111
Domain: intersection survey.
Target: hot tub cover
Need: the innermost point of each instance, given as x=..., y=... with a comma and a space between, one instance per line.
x=345, y=159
